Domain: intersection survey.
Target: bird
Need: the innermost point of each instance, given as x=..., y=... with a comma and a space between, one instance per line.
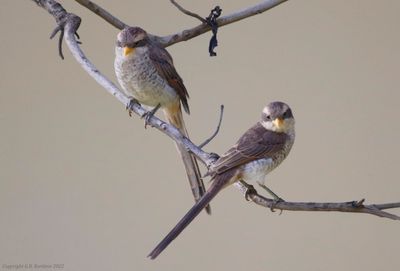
x=146, y=73
x=257, y=152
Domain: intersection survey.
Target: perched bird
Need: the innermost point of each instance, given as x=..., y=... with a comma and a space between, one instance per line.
x=260, y=149
x=146, y=72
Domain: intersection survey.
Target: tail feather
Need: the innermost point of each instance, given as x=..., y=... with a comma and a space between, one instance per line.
x=174, y=116
x=188, y=218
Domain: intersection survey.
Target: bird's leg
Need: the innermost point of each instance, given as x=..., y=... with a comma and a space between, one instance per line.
x=149, y=114
x=277, y=199
x=275, y=196
x=250, y=190
x=129, y=106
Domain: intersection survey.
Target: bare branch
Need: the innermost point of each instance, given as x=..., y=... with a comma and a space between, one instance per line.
x=349, y=207
x=224, y=20
x=70, y=23
x=216, y=131
x=187, y=34
x=187, y=12
x=103, y=13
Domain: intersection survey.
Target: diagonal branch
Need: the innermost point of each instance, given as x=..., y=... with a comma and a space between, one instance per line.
x=70, y=23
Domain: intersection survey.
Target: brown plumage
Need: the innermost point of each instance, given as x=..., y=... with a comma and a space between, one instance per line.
x=164, y=65
x=258, y=151
x=146, y=72
x=255, y=144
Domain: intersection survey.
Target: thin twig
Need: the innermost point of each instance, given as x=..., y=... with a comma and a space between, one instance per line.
x=103, y=13
x=187, y=12
x=221, y=115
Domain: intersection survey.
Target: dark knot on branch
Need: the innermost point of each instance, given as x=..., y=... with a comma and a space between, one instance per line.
x=212, y=22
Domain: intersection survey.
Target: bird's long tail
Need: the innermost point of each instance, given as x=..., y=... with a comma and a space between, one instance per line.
x=174, y=117
x=216, y=186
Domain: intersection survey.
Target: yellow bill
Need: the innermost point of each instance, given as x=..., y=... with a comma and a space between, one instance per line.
x=128, y=50
x=278, y=122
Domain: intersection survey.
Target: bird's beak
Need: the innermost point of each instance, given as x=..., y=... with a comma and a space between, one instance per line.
x=279, y=123
x=128, y=50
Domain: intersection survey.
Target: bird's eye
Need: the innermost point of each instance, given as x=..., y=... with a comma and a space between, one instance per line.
x=138, y=43
x=268, y=117
x=286, y=114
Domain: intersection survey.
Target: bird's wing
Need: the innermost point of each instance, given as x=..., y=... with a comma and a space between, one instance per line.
x=255, y=144
x=164, y=65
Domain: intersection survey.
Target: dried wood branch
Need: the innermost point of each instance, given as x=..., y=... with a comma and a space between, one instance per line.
x=70, y=22
x=349, y=207
x=187, y=12
x=103, y=13
x=191, y=33
x=208, y=140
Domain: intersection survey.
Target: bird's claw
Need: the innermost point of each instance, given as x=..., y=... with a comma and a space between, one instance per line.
x=147, y=116
x=250, y=190
x=275, y=201
x=129, y=106
x=214, y=156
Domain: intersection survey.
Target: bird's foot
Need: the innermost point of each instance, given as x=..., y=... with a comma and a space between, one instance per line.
x=276, y=198
x=147, y=116
x=214, y=156
x=250, y=190
x=275, y=201
x=129, y=106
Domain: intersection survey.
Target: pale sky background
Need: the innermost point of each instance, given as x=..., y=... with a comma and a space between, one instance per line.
x=84, y=185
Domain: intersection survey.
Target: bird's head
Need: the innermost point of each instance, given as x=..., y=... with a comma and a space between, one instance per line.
x=278, y=117
x=130, y=38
